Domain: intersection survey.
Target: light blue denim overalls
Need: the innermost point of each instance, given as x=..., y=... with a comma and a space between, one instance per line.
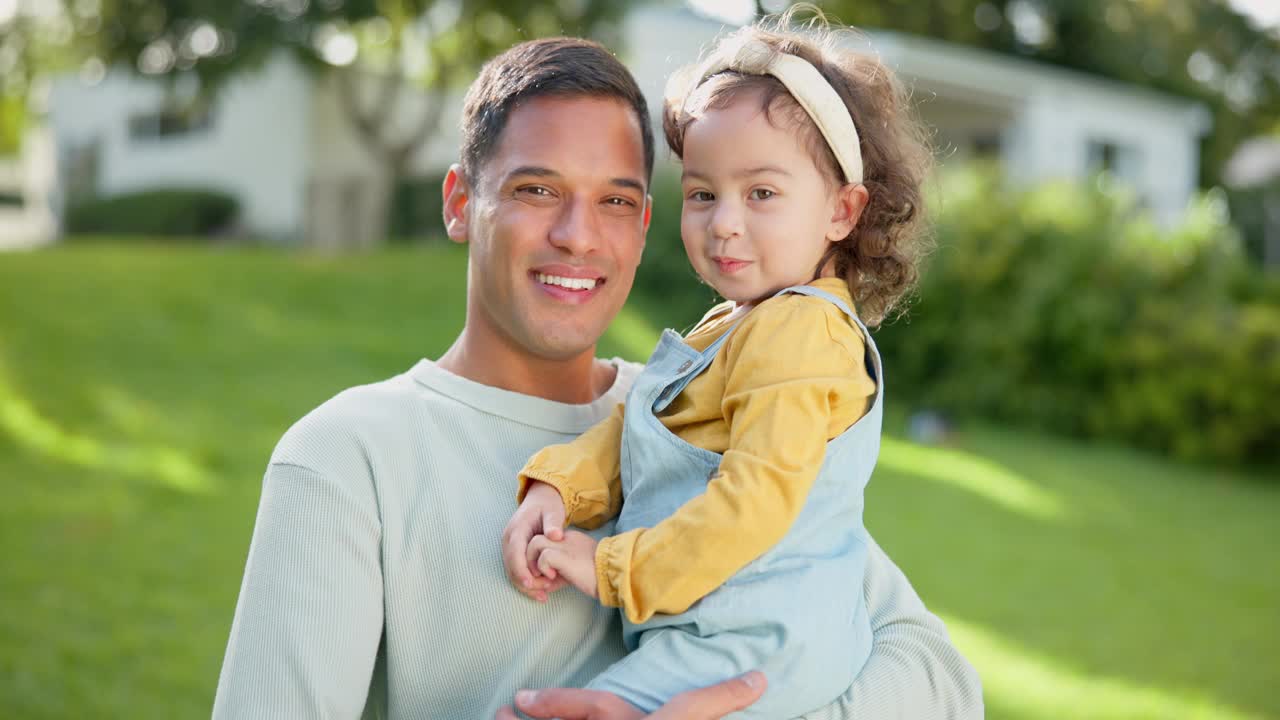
x=797, y=612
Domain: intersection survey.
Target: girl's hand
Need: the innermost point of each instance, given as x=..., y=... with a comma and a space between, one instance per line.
x=541, y=513
x=572, y=559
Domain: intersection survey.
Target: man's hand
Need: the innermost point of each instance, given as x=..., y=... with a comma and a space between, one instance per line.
x=572, y=559
x=541, y=513
x=709, y=703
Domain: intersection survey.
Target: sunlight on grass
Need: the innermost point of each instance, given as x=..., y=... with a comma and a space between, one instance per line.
x=1017, y=682
x=971, y=473
x=37, y=434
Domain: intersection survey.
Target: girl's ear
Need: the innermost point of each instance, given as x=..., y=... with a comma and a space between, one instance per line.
x=456, y=192
x=851, y=200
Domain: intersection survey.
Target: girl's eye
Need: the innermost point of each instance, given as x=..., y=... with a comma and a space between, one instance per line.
x=762, y=194
x=701, y=196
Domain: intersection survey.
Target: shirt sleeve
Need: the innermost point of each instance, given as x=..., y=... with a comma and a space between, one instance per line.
x=781, y=410
x=586, y=471
x=303, y=645
x=914, y=672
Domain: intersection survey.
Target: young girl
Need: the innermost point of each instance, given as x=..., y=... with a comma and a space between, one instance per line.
x=744, y=447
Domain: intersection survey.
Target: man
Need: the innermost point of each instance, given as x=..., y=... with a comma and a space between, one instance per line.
x=374, y=581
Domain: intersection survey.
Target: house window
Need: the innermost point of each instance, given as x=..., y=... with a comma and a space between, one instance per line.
x=1122, y=161
x=986, y=145
x=169, y=123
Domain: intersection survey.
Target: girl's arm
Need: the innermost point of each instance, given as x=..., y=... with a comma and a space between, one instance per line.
x=796, y=376
x=587, y=472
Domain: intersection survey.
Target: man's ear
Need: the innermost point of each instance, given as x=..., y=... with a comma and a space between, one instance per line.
x=456, y=193
x=851, y=200
x=648, y=217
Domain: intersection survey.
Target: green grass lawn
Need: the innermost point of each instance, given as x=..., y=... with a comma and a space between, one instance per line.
x=142, y=388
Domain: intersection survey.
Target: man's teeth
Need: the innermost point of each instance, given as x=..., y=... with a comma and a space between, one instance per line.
x=570, y=283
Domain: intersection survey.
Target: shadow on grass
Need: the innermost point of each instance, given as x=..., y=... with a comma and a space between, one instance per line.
x=1089, y=582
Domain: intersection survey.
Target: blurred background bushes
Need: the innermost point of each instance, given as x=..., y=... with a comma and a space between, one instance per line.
x=416, y=209
x=155, y=213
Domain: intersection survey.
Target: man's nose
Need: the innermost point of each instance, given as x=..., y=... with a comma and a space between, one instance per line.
x=575, y=230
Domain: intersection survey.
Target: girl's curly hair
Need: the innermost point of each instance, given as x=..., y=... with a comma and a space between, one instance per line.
x=879, y=259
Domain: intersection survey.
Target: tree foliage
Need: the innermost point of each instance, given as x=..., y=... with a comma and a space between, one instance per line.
x=391, y=47
x=215, y=40
x=1199, y=49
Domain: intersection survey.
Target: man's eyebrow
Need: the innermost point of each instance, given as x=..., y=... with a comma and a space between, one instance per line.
x=631, y=183
x=535, y=170
x=539, y=171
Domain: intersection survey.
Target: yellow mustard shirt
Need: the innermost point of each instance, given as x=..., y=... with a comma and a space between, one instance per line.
x=791, y=377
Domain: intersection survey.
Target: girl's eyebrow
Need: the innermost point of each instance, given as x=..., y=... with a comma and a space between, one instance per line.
x=745, y=172
x=761, y=170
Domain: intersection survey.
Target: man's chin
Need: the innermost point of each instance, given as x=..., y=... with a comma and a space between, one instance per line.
x=561, y=343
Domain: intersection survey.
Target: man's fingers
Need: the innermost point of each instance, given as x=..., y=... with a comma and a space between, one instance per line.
x=515, y=541
x=571, y=704
x=715, y=701
x=553, y=524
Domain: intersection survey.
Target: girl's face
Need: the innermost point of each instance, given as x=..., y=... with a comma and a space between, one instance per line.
x=758, y=214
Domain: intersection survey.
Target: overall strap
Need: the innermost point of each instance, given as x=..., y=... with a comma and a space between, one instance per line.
x=876, y=368
x=686, y=375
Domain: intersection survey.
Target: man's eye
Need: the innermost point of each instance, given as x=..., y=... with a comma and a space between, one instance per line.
x=535, y=190
x=762, y=194
x=620, y=201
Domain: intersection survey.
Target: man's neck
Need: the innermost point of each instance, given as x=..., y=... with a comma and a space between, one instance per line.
x=576, y=380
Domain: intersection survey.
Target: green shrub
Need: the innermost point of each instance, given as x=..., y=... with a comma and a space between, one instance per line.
x=417, y=209
x=155, y=213
x=1065, y=308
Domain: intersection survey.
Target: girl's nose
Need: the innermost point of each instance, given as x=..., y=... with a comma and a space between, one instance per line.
x=726, y=221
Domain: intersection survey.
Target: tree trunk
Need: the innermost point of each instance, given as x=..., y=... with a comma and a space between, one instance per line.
x=381, y=200
x=373, y=124
x=1271, y=229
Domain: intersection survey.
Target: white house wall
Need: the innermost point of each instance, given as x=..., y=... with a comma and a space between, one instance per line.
x=1057, y=113
x=29, y=174
x=256, y=146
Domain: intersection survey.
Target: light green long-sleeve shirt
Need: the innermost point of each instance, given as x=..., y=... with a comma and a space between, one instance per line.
x=375, y=583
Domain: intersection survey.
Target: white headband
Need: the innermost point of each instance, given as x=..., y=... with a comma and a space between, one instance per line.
x=808, y=87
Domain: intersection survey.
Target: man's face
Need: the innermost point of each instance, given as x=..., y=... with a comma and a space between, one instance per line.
x=556, y=223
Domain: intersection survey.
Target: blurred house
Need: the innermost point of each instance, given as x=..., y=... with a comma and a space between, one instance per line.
x=26, y=193
x=280, y=141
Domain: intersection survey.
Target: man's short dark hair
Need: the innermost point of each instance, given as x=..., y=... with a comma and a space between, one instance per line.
x=558, y=67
